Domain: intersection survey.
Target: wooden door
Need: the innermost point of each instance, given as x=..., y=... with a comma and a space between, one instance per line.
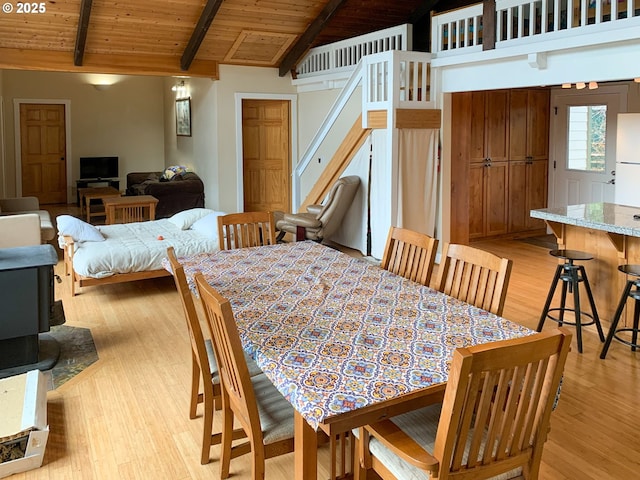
x=43, y=152
x=266, y=155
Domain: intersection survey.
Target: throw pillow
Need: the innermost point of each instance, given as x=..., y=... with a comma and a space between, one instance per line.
x=208, y=225
x=174, y=170
x=183, y=220
x=77, y=229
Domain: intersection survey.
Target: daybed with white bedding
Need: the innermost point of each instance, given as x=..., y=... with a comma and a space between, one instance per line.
x=96, y=255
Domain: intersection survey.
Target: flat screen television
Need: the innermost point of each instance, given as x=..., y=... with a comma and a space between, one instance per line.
x=98, y=167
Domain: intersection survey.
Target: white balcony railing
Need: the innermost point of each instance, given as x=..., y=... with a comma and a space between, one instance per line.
x=458, y=31
x=346, y=54
x=528, y=21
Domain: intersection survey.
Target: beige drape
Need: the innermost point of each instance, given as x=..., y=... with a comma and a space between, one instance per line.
x=417, y=180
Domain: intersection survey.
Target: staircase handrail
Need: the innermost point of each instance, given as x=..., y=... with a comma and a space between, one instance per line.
x=354, y=80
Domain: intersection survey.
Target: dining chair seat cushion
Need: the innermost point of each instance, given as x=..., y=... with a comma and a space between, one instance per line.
x=276, y=413
x=421, y=425
x=253, y=367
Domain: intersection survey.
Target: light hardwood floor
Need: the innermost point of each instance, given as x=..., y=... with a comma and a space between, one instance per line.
x=127, y=415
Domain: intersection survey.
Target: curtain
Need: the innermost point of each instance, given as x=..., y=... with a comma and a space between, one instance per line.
x=417, y=191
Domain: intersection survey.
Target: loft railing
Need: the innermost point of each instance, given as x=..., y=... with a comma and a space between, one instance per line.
x=345, y=55
x=519, y=22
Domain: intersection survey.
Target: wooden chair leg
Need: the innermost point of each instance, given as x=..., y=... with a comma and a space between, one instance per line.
x=195, y=386
x=207, y=428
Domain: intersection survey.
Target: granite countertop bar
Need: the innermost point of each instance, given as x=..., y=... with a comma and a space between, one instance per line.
x=608, y=217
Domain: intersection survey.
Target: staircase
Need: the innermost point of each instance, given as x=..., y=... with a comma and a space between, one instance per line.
x=394, y=93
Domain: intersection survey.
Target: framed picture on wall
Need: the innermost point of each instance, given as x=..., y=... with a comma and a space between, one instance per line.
x=183, y=117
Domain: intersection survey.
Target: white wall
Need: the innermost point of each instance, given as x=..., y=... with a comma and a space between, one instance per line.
x=125, y=120
x=212, y=151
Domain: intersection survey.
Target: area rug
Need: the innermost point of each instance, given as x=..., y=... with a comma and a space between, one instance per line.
x=77, y=352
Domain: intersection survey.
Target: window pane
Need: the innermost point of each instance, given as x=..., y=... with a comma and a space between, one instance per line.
x=587, y=135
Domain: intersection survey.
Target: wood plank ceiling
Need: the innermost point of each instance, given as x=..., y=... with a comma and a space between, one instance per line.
x=188, y=37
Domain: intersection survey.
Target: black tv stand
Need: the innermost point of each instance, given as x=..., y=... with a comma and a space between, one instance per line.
x=88, y=182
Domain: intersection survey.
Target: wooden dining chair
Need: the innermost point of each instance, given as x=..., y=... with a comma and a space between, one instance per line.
x=493, y=421
x=204, y=368
x=474, y=276
x=264, y=414
x=410, y=254
x=246, y=229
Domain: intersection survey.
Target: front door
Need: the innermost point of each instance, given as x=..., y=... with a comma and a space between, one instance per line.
x=583, y=126
x=266, y=162
x=43, y=152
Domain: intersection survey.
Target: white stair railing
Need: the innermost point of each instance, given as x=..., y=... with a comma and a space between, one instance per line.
x=344, y=55
x=334, y=112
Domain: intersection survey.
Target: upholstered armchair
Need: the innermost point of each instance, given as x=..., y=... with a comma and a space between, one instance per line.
x=320, y=221
x=24, y=205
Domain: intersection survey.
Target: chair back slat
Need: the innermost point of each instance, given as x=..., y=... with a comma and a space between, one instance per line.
x=238, y=394
x=474, y=276
x=497, y=405
x=410, y=254
x=246, y=229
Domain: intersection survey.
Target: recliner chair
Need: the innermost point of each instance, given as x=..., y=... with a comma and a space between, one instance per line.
x=320, y=221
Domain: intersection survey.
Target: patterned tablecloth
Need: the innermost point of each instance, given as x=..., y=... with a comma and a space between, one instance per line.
x=335, y=333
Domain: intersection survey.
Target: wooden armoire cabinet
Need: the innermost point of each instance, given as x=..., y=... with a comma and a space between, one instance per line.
x=500, y=160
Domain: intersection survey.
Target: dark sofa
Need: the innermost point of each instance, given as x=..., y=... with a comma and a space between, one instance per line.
x=182, y=192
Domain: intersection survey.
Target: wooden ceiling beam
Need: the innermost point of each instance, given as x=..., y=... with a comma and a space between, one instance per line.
x=307, y=38
x=81, y=36
x=204, y=22
x=156, y=65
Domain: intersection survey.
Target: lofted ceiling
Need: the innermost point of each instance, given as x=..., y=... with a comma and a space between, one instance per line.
x=191, y=37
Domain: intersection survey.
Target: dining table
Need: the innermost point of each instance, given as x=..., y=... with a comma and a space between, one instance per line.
x=346, y=342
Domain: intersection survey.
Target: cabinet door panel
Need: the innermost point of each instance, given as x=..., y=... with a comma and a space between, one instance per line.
x=538, y=124
x=477, y=151
x=496, y=197
x=518, y=130
x=497, y=125
x=536, y=190
x=518, y=213
x=476, y=200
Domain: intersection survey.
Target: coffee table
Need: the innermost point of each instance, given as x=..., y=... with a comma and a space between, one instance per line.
x=97, y=193
x=127, y=209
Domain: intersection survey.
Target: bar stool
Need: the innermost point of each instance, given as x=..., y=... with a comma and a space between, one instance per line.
x=634, y=271
x=571, y=275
